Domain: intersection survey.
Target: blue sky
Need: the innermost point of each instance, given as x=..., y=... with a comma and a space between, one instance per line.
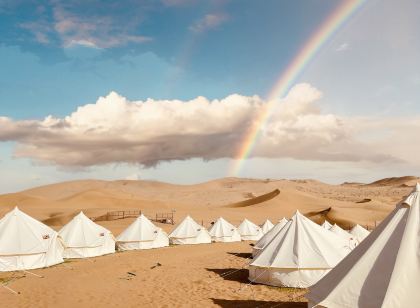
x=56, y=56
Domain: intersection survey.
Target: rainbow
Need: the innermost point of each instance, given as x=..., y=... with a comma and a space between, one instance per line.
x=309, y=50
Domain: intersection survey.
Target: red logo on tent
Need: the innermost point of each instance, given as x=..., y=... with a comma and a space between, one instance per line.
x=46, y=236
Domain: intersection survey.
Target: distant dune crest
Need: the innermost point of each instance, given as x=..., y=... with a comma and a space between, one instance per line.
x=234, y=198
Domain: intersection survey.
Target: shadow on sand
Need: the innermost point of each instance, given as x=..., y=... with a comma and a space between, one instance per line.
x=230, y=303
x=245, y=255
x=231, y=274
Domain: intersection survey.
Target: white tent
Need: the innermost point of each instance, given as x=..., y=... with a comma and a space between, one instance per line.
x=352, y=242
x=266, y=239
x=223, y=231
x=84, y=239
x=326, y=225
x=359, y=233
x=299, y=255
x=142, y=234
x=267, y=226
x=383, y=271
x=26, y=243
x=249, y=231
x=189, y=232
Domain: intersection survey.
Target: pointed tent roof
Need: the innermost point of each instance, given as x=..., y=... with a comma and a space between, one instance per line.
x=302, y=244
x=340, y=232
x=262, y=242
x=142, y=229
x=267, y=226
x=222, y=228
x=20, y=234
x=83, y=232
x=186, y=229
x=248, y=228
x=326, y=225
x=384, y=270
x=359, y=232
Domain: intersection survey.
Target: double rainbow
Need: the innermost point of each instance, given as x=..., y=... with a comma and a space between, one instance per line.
x=310, y=49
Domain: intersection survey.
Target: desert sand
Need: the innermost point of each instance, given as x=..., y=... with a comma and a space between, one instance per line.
x=187, y=276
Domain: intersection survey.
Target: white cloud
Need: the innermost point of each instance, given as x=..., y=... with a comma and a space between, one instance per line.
x=94, y=32
x=116, y=130
x=209, y=21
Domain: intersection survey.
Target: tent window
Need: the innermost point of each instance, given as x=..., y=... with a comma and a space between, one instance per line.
x=102, y=234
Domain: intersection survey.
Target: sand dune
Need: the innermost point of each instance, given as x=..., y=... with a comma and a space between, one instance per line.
x=233, y=198
x=396, y=181
x=105, y=281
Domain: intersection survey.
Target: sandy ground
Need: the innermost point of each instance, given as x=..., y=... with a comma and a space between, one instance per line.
x=189, y=276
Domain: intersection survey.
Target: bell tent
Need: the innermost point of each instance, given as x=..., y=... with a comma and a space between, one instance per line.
x=26, y=243
x=359, y=233
x=266, y=239
x=352, y=242
x=383, y=271
x=189, y=232
x=223, y=231
x=249, y=231
x=299, y=255
x=267, y=226
x=142, y=234
x=326, y=225
x=85, y=239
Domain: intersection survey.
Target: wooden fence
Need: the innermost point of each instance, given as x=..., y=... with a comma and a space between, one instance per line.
x=167, y=218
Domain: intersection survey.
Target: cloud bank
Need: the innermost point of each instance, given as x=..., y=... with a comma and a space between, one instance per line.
x=116, y=130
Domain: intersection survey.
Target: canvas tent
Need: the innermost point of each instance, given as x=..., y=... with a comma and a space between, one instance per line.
x=352, y=242
x=85, y=239
x=359, y=233
x=384, y=270
x=189, y=232
x=249, y=231
x=142, y=234
x=26, y=243
x=326, y=225
x=266, y=239
x=299, y=255
x=223, y=231
x=267, y=226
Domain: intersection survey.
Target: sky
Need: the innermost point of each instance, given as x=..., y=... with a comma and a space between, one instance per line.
x=169, y=90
